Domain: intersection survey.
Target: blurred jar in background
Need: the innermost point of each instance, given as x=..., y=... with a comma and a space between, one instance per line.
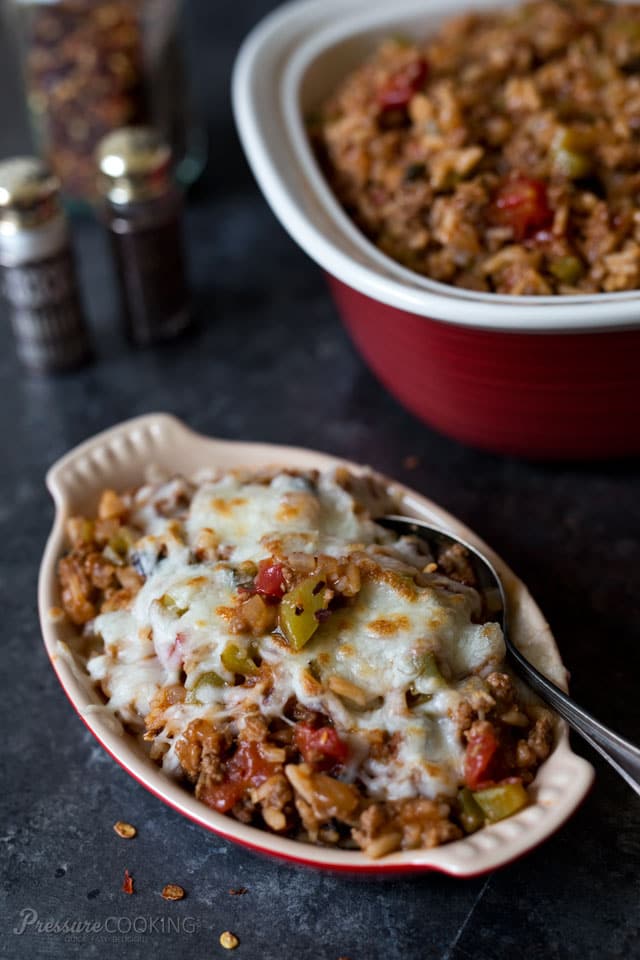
x=91, y=66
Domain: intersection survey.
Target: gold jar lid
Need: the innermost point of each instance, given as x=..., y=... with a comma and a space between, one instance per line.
x=28, y=194
x=134, y=164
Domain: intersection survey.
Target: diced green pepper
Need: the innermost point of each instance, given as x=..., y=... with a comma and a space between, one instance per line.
x=117, y=548
x=429, y=668
x=84, y=531
x=236, y=660
x=569, y=163
x=567, y=269
x=471, y=816
x=170, y=604
x=572, y=138
x=298, y=609
x=569, y=154
x=208, y=679
x=502, y=800
x=121, y=541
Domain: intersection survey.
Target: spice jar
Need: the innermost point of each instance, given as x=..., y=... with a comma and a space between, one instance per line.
x=142, y=209
x=92, y=66
x=37, y=273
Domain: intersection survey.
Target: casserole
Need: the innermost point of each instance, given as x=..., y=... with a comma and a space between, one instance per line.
x=533, y=376
x=118, y=459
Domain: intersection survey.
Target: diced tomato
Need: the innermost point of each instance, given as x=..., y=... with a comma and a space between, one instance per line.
x=222, y=796
x=522, y=204
x=321, y=746
x=249, y=766
x=401, y=86
x=246, y=768
x=480, y=758
x=269, y=581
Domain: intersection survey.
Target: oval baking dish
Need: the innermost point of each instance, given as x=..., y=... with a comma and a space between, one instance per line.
x=118, y=459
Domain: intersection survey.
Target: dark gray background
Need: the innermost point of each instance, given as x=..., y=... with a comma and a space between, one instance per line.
x=271, y=362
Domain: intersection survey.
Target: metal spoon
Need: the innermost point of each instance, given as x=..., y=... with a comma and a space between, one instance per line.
x=623, y=756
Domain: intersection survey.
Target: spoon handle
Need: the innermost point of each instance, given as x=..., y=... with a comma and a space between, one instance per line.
x=623, y=756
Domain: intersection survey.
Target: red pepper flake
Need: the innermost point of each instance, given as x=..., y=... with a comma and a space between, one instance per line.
x=127, y=883
x=125, y=830
x=238, y=891
x=171, y=891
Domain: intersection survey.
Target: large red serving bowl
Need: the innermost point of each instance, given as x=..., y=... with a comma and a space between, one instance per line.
x=544, y=377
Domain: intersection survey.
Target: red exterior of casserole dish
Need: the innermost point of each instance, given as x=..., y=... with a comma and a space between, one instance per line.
x=537, y=395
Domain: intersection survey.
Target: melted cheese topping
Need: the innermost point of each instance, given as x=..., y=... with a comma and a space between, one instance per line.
x=369, y=667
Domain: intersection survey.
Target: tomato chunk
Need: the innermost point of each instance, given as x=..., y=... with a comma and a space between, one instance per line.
x=401, y=86
x=249, y=766
x=321, y=746
x=522, y=204
x=246, y=768
x=480, y=757
x=222, y=796
x=269, y=580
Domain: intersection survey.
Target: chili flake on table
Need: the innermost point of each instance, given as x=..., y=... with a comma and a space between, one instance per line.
x=171, y=891
x=228, y=940
x=127, y=883
x=125, y=830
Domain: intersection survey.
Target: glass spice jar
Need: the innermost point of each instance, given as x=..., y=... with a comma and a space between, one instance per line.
x=92, y=66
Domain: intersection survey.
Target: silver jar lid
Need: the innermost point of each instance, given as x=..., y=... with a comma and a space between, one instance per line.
x=134, y=164
x=28, y=194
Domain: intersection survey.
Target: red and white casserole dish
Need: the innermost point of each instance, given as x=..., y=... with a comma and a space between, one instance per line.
x=118, y=459
x=544, y=377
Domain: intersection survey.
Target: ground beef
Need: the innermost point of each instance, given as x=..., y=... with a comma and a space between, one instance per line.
x=405, y=824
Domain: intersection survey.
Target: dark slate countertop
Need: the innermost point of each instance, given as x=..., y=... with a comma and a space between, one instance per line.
x=270, y=361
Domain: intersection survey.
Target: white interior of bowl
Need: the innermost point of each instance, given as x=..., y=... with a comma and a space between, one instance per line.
x=119, y=459
x=285, y=68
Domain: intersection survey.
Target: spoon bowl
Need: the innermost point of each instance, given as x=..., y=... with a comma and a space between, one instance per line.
x=623, y=755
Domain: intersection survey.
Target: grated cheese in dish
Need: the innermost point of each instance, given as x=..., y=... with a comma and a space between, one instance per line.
x=279, y=647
